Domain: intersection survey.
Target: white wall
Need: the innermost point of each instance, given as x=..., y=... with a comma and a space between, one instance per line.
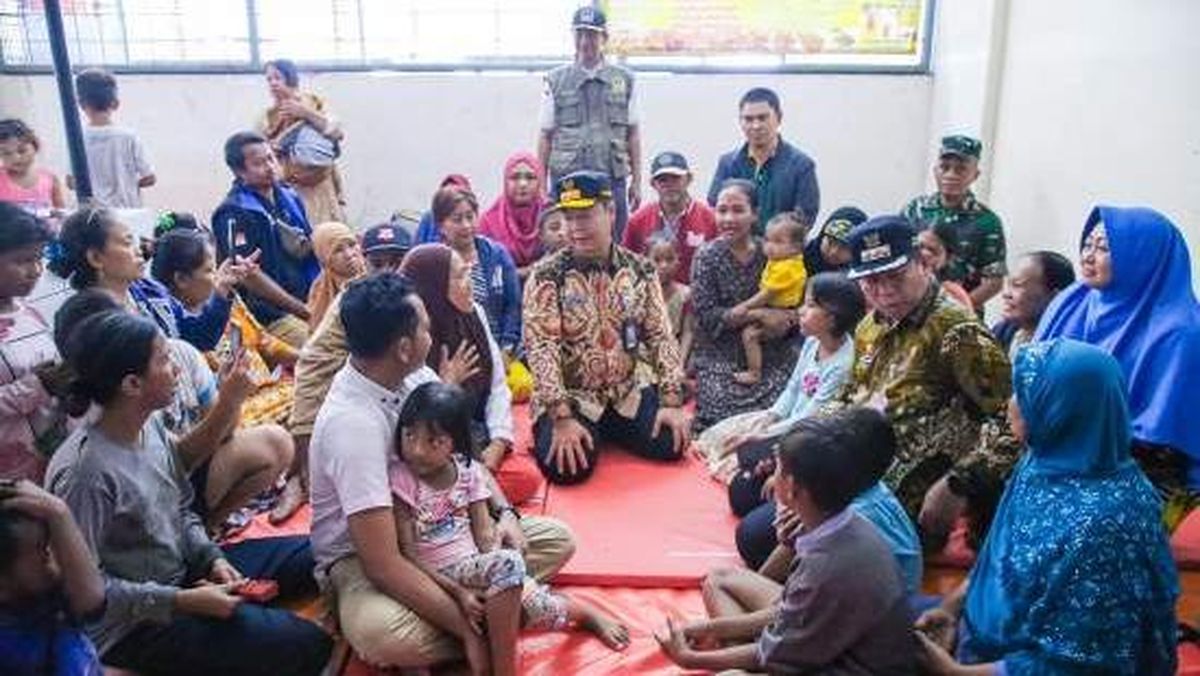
x=1100, y=103
x=1077, y=101
x=868, y=133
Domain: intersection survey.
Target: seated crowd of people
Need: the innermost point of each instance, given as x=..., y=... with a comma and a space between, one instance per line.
x=837, y=376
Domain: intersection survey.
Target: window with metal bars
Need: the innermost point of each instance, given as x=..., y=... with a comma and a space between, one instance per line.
x=672, y=35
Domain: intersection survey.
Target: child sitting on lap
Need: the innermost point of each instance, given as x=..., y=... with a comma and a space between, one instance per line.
x=444, y=527
x=781, y=286
x=843, y=608
x=48, y=586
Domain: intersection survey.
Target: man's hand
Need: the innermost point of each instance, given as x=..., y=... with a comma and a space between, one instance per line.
x=940, y=509
x=635, y=194
x=933, y=658
x=458, y=368
x=210, y=600
x=569, y=443
x=223, y=572
x=680, y=424
x=234, y=270
x=494, y=453
x=938, y=625
x=509, y=533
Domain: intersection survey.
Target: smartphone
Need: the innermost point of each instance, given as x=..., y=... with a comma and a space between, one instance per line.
x=235, y=341
x=258, y=591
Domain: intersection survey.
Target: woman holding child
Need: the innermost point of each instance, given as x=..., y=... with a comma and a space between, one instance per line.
x=725, y=274
x=292, y=115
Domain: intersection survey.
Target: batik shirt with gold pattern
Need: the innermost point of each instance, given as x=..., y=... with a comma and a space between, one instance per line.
x=596, y=334
x=944, y=382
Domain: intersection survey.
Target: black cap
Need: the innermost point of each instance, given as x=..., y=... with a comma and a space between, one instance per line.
x=882, y=244
x=669, y=162
x=386, y=237
x=581, y=189
x=588, y=18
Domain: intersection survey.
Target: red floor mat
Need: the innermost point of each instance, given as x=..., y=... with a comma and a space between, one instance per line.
x=643, y=611
x=640, y=523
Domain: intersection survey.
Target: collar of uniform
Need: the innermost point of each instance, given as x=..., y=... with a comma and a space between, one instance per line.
x=597, y=73
x=919, y=314
x=607, y=264
x=969, y=202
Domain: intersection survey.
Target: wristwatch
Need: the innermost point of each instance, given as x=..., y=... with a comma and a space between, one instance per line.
x=507, y=508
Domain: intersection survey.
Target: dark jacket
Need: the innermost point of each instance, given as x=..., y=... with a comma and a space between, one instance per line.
x=254, y=224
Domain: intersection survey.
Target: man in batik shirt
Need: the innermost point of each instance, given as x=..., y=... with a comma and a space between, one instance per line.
x=605, y=361
x=938, y=373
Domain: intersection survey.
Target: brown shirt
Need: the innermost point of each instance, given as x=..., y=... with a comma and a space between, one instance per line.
x=596, y=334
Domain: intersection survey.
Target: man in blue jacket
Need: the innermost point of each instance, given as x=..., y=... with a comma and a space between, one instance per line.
x=785, y=176
x=263, y=214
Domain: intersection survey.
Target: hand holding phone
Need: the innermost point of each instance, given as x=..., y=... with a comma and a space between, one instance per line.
x=258, y=591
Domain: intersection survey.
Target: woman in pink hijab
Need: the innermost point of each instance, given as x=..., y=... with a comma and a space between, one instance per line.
x=512, y=219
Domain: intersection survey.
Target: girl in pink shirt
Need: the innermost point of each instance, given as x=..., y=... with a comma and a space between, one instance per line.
x=444, y=527
x=31, y=424
x=22, y=182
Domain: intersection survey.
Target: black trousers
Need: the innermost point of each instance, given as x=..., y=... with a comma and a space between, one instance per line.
x=634, y=435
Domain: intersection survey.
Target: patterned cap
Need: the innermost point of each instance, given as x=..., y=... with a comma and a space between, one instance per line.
x=841, y=222
x=962, y=146
x=588, y=18
x=386, y=237
x=882, y=244
x=581, y=189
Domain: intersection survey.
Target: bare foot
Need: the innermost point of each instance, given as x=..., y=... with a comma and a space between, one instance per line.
x=607, y=629
x=293, y=496
x=748, y=377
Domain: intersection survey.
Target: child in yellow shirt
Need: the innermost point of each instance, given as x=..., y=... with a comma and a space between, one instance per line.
x=781, y=286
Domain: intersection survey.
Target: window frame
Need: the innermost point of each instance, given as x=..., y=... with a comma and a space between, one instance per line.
x=255, y=63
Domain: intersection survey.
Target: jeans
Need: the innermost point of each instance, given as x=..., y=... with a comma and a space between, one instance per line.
x=631, y=434
x=256, y=640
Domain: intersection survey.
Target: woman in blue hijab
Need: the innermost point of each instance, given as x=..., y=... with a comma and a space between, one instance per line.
x=1135, y=301
x=1075, y=576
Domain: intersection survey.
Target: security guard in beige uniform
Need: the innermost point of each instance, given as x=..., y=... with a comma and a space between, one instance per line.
x=589, y=117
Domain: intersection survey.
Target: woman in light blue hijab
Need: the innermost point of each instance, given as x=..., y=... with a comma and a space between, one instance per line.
x=1075, y=576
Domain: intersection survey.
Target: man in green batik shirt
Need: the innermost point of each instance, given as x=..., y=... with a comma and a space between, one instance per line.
x=937, y=372
x=978, y=262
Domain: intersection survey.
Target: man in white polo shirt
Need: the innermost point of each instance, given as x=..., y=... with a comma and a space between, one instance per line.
x=391, y=612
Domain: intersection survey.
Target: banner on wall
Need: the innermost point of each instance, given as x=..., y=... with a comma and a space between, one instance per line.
x=793, y=30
